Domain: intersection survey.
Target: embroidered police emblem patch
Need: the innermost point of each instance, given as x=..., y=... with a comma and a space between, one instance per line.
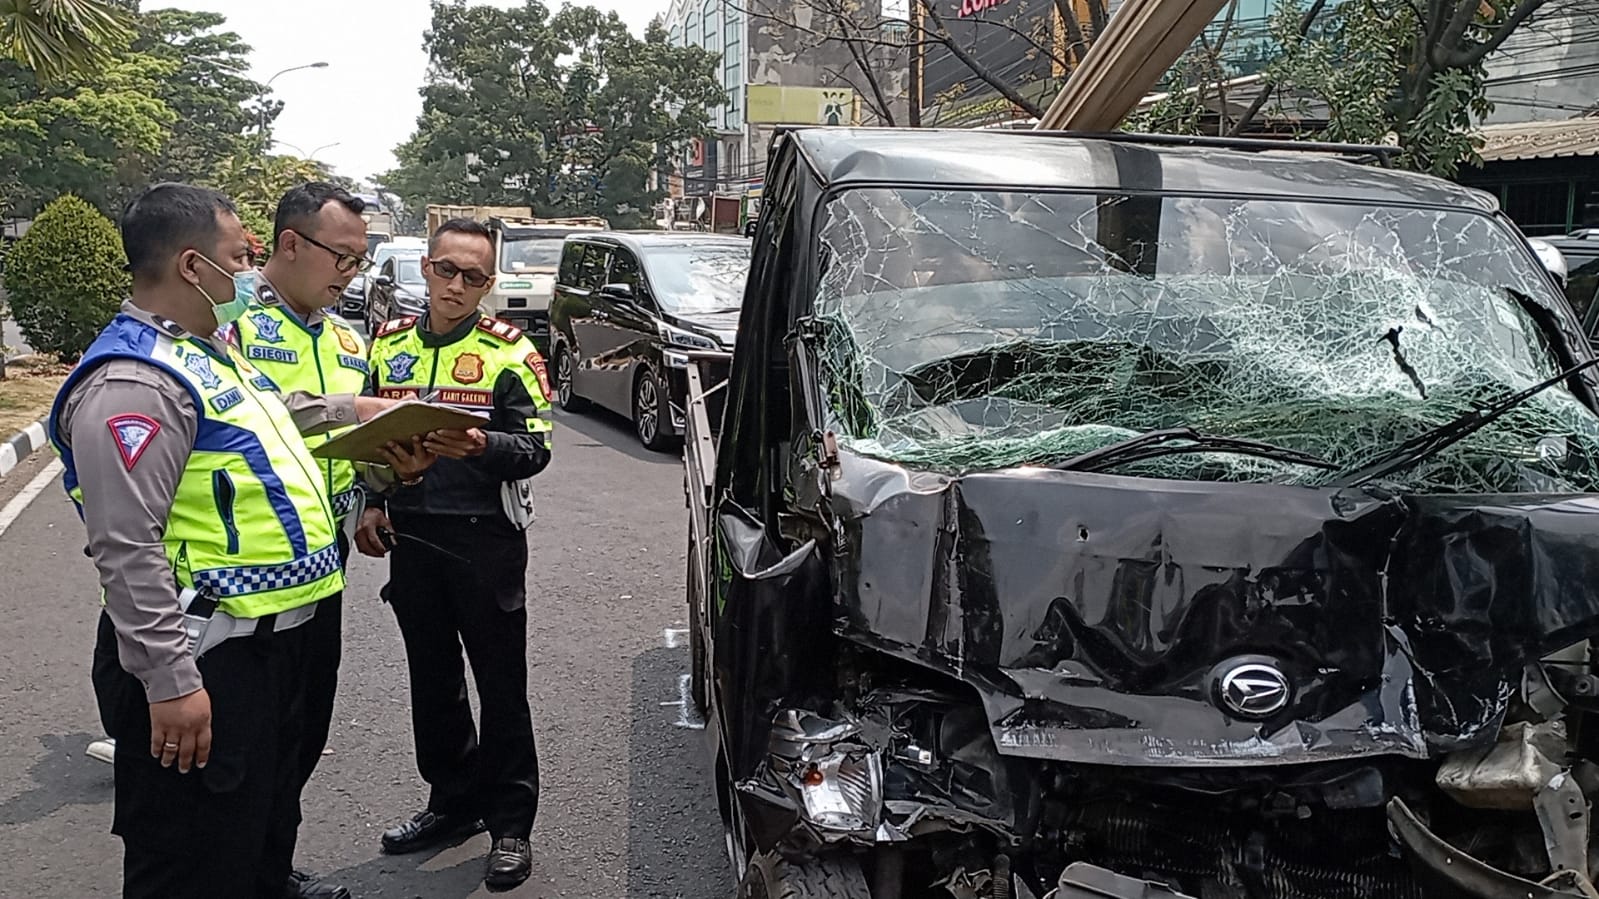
x=133, y=433
x=468, y=368
x=347, y=340
x=267, y=328
x=200, y=365
x=401, y=366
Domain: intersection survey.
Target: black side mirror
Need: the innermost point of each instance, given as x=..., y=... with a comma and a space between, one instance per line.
x=383, y=281
x=618, y=291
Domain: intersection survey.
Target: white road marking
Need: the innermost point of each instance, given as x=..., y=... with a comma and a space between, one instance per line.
x=675, y=637
x=13, y=510
x=687, y=716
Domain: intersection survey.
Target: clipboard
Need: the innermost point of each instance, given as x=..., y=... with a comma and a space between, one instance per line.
x=398, y=423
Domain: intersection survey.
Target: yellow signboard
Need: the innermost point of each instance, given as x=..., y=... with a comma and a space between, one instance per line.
x=776, y=104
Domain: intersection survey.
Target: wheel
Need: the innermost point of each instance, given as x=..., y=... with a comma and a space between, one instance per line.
x=771, y=876
x=565, y=394
x=650, y=412
x=696, y=642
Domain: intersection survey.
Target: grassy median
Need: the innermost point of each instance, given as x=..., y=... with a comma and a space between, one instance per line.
x=27, y=390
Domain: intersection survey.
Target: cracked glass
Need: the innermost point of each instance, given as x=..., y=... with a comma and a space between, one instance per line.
x=961, y=331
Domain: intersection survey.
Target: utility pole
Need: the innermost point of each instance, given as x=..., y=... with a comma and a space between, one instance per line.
x=914, y=82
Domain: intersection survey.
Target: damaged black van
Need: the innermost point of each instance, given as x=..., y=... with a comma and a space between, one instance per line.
x=1117, y=516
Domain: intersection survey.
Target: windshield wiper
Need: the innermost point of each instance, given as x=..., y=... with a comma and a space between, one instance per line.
x=1430, y=443
x=1161, y=443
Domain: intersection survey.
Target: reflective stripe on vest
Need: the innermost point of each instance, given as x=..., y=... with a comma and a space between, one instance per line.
x=328, y=359
x=463, y=373
x=250, y=520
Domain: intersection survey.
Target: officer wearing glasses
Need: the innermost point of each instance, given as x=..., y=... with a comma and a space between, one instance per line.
x=459, y=580
x=216, y=547
x=289, y=335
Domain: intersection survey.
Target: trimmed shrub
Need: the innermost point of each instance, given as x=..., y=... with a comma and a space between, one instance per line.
x=64, y=279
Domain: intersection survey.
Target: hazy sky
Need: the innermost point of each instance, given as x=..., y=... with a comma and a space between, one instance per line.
x=366, y=100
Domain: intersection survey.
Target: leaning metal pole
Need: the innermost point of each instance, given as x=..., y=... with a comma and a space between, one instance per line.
x=1140, y=42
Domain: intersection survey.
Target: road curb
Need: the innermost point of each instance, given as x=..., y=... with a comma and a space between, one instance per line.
x=20, y=446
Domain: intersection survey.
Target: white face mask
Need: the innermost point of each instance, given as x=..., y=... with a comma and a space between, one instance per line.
x=243, y=294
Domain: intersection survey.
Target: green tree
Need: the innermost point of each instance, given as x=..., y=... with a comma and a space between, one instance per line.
x=57, y=38
x=64, y=278
x=204, y=84
x=256, y=182
x=90, y=135
x=1409, y=72
x=567, y=112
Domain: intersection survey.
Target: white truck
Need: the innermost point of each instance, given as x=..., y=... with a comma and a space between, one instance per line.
x=527, y=253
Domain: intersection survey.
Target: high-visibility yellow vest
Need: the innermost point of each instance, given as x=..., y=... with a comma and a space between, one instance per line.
x=327, y=359
x=251, y=522
x=463, y=373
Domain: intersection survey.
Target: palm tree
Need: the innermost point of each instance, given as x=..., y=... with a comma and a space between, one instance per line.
x=56, y=38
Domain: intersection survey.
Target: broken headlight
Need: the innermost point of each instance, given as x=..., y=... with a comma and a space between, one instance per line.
x=835, y=776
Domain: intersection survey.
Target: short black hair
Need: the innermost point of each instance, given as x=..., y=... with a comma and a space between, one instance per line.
x=165, y=219
x=301, y=204
x=461, y=226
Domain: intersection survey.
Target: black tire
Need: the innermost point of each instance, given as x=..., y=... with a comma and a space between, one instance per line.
x=651, y=412
x=696, y=642
x=831, y=877
x=565, y=393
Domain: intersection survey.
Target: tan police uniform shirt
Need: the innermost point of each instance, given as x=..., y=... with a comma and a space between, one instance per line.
x=125, y=510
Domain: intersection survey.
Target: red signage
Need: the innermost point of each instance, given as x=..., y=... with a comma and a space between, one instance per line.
x=973, y=7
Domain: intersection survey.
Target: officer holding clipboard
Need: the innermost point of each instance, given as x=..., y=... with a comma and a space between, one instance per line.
x=460, y=582
x=214, y=539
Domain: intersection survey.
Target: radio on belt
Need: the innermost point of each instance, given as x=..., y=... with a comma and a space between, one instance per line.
x=198, y=607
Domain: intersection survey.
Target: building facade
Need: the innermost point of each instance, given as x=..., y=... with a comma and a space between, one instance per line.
x=782, y=62
x=1541, y=142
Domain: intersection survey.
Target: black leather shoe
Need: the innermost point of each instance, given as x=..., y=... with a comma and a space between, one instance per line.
x=509, y=864
x=305, y=885
x=426, y=830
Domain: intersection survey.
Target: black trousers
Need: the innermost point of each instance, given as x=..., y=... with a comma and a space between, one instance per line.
x=228, y=829
x=444, y=606
x=323, y=652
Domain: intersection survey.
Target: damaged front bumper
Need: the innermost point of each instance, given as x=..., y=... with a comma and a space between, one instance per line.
x=868, y=781
x=1452, y=872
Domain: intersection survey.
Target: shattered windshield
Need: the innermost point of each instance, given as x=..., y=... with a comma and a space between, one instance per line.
x=965, y=331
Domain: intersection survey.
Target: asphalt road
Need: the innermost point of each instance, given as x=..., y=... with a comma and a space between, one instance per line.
x=626, y=808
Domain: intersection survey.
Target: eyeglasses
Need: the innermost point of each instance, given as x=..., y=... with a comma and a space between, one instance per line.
x=447, y=270
x=344, y=262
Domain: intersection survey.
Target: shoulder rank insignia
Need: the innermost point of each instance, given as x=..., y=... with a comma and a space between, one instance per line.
x=396, y=325
x=504, y=330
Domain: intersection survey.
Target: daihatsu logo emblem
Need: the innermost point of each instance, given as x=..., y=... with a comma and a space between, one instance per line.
x=1254, y=690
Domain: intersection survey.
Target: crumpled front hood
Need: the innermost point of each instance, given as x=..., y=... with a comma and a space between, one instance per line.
x=1097, y=615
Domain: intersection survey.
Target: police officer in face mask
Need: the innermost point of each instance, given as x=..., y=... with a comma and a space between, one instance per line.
x=215, y=542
